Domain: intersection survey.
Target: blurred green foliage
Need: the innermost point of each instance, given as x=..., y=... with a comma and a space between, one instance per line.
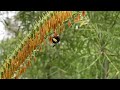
x=92, y=51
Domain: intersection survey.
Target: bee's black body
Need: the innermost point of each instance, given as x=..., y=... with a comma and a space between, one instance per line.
x=55, y=40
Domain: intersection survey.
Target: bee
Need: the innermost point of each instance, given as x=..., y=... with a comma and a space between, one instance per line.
x=55, y=40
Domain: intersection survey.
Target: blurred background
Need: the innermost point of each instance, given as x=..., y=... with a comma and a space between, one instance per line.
x=90, y=52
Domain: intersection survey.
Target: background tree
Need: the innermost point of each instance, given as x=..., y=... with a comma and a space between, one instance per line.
x=92, y=51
